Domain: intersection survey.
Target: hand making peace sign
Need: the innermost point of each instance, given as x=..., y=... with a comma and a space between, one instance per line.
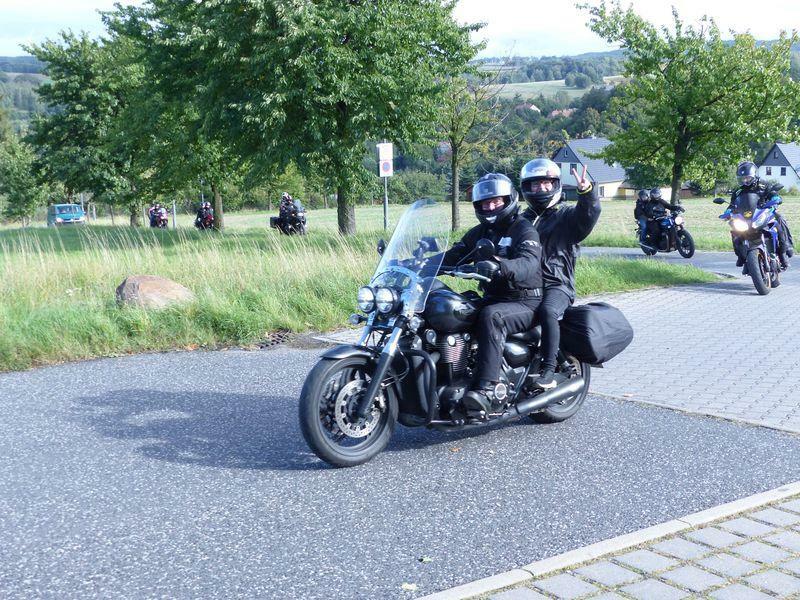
x=582, y=182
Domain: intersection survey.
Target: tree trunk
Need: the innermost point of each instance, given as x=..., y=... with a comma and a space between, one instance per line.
x=219, y=218
x=677, y=174
x=454, y=195
x=134, y=212
x=346, y=212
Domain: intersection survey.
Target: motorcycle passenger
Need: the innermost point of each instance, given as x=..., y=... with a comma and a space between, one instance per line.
x=639, y=213
x=655, y=209
x=156, y=212
x=515, y=290
x=204, y=212
x=561, y=229
x=749, y=183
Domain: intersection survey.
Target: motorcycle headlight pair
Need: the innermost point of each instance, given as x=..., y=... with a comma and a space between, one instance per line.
x=740, y=225
x=385, y=300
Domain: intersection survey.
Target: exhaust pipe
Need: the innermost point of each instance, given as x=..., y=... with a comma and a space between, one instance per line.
x=543, y=400
x=562, y=392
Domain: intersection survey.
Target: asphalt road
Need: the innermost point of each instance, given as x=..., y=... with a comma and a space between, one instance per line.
x=185, y=475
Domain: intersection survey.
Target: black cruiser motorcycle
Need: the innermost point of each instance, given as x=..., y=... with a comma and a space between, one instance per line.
x=416, y=356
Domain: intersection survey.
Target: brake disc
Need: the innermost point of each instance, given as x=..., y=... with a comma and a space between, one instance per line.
x=345, y=404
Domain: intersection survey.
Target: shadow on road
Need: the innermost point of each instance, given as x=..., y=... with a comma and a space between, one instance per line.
x=231, y=431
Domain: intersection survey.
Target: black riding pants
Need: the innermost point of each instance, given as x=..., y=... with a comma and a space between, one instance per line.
x=496, y=321
x=551, y=311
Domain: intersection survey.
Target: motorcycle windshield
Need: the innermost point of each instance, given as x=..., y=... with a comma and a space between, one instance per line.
x=745, y=203
x=414, y=254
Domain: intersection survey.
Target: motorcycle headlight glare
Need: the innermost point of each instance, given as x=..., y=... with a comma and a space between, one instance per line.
x=679, y=220
x=761, y=219
x=385, y=300
x=740, y=225
x=366, y=299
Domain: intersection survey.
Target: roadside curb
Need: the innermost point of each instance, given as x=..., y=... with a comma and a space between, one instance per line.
x=729, y=418
x=622, y=542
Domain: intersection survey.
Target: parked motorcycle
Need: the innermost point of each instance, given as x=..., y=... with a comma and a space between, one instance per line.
x=665, y=234
x=417, y=353
x=754, y=232
x=294, y=222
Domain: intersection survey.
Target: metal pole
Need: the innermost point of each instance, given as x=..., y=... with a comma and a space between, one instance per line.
x=174, y=215
x=385, y=203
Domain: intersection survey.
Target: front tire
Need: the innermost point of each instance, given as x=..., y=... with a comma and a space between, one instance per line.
x=330, y=392
x=562, y=411
x=759, y=271
x=685, y=244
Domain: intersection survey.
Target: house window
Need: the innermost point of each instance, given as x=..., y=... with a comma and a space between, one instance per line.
x=775, y=154
x=602, y=191
x=566, y=153
x=783, y=171
x=572, y=166
x=769, y=171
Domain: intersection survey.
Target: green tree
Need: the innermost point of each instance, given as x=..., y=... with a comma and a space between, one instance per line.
x=701, y=100
x=70, y=142
x=306, y=82
x=470, y=115
x=18, y=184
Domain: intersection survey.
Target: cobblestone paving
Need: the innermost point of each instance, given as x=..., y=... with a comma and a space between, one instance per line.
x=749, y=556
x=717, y=349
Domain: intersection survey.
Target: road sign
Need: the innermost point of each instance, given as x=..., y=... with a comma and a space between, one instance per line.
x=386, y=168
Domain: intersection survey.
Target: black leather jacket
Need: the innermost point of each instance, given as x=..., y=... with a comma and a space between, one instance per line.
x=561, y=229
x=520, y=258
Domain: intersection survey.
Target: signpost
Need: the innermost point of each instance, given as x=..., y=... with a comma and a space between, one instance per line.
x=385, y=170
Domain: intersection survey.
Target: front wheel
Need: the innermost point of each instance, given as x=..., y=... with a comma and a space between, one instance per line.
x=685, y=244
x=327, y=403
x=759, y=271
x=566, y=408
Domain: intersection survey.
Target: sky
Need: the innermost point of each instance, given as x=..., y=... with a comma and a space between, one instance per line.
x=513, y=27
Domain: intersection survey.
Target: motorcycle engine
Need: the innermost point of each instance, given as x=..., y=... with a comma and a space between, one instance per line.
x=453, y=351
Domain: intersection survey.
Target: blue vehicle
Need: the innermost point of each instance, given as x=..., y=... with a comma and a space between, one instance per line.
x=754, y=231
x=65, y=214
x=666, y=233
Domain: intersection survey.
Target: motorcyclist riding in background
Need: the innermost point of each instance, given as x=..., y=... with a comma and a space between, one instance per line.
x=749, y=183
x=639, y=213
x=561, y=229
x=515, y=291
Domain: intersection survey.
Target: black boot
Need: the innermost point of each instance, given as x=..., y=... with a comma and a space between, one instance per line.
x=739, y=261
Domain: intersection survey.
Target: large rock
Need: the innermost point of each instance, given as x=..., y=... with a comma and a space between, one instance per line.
x=149, y=291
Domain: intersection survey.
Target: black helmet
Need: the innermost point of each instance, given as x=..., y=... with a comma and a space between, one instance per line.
x=494, y=185
x=655, y=194
x=746, y=173
x=285, y=196
x=644, y=195
x=536, y=170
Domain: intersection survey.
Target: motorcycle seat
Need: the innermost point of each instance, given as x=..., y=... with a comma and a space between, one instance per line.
x=532, y=336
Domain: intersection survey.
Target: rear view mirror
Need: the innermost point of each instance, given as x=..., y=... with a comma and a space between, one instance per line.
x=381, y=247
x=485, y=249
x=719, y=201
x=430, y=244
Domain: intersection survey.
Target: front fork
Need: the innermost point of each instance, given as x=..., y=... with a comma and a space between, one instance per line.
x=385, y=360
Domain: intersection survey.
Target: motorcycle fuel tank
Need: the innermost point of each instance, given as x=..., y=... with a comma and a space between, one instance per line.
x=449, y=311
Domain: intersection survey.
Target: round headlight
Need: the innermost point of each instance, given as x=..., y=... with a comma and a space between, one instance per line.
x=366, y=299
x=385, y=299
x=740, y=225
x=678, y=220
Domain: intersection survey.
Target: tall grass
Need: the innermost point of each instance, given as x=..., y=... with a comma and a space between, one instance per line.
x=58, y=303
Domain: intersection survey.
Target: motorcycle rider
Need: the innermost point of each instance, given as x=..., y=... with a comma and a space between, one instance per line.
x=515, y=290
x=656, y=208
x=203, y=212
x=639, y=213
x=561, y=229
x=156, y=212
x=749, y=183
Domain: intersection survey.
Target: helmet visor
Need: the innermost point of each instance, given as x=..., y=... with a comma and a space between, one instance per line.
x=491, y=188
x=746, y=180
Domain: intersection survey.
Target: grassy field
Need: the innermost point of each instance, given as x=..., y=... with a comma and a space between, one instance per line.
x=58, y=285
x=547, y=88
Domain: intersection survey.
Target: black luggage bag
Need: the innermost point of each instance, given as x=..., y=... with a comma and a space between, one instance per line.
x=595, y=332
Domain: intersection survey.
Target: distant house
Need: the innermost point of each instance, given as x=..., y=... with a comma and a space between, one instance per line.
x=782, y=164
x=609, y=179
x=526, y=106
x=561, y=112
